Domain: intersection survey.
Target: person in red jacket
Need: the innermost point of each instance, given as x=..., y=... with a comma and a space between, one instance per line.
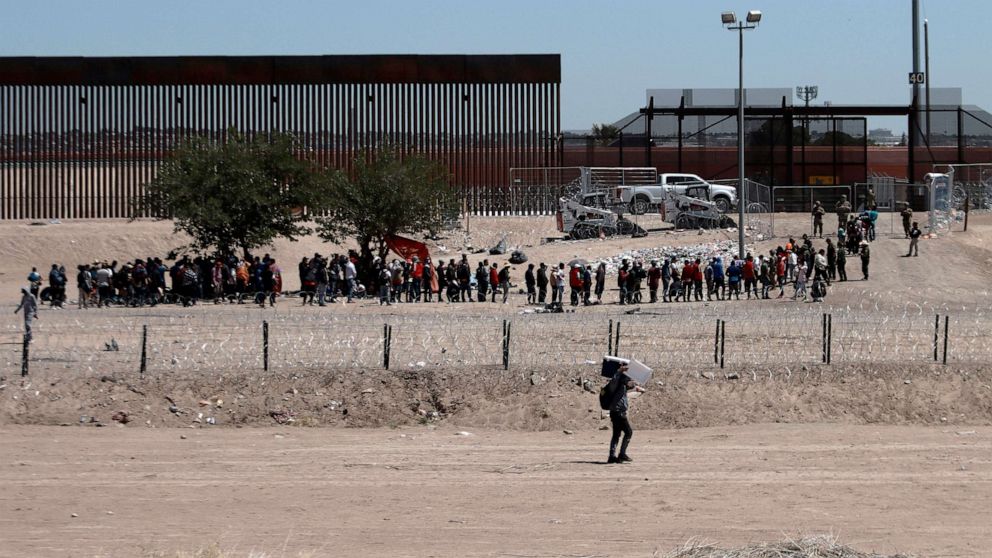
x=575, y=282
x=654, y=279
x=750, y=282
x=417, y=276
x=780, y=272
x=687, y=274
x=697, y=279
x=494, y=280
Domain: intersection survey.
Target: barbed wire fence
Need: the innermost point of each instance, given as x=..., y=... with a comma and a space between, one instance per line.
x=672, y=339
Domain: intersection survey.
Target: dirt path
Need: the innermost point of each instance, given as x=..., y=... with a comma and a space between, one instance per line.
x=420, y=492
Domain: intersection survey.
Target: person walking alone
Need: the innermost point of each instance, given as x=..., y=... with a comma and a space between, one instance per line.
x=30, y=306
x=618, y=417
x=914, y=240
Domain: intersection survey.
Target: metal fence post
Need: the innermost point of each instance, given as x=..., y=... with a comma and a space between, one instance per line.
x=936, y=333
x=723, y=341
x=265, y=346
x=830, y=334
x=24, y=356
x=616, y=344
x=824, y=341
x=609, y=339
x=506, y=347
x=946, y=318
x=387, y=342
x=144, y=349
x=716, y=343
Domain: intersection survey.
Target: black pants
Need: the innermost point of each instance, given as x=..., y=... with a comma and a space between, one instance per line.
x=841, y=272
x=620, y=426
x=542, y=294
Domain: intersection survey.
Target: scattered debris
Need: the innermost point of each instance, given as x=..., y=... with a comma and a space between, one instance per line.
x=518, y=257
x=112, y=346
x=500, y=247
x=282, y=416
x=463, y=433
x=121, y=417
x=569, y=432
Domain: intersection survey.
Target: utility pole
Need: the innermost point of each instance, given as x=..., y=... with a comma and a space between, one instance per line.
x=916, y=63
x=806, y=93
x=926, y=72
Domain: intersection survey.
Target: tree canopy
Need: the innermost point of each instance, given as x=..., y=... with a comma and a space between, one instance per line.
x=387, y=194
x=242, y=193
x=605, y=134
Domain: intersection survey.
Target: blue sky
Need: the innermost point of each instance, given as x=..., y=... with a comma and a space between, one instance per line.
x=857, y=51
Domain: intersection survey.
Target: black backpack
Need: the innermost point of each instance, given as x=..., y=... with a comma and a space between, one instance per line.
x=611, y=392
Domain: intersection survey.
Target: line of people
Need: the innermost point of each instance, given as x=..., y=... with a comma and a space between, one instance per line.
x=798, y=264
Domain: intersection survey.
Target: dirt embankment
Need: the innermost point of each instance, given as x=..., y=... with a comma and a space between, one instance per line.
x=492, y=398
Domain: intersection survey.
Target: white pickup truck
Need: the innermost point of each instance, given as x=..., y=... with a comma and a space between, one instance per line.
x=641, y=199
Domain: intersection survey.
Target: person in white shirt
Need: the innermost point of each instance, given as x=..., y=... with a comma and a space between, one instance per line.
x=800, y=282
x=350, y=273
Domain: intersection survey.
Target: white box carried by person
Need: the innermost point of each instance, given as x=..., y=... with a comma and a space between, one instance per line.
x=636, y=370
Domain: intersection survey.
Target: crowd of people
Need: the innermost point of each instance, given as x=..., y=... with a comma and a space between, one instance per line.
x=326, y=280
x=150, y=281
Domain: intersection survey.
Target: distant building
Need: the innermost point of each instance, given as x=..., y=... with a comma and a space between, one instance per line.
x=883, y=137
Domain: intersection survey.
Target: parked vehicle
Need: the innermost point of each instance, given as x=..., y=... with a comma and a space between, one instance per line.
x=641, y=199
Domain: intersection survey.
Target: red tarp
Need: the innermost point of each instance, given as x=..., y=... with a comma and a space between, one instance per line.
x=407, y=248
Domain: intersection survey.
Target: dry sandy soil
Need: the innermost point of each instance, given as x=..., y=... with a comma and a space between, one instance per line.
x=889, y=457
x=430, y=492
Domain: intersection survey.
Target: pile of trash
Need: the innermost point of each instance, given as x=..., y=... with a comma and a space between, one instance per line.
x=705, y=251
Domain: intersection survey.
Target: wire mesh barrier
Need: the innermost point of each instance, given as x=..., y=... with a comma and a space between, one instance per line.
x=672, y=340
x=975, y=180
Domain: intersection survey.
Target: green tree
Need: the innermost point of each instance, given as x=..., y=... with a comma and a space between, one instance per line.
x=774, y=132
x=387, y=194
x=239, y=194
x=605, y=134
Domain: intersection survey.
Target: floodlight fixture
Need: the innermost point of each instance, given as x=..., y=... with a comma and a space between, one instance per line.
x=753, y=16
x=728, y=18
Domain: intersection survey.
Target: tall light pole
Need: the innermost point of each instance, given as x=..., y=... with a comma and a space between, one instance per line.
x=807, y=93
x=729, y=20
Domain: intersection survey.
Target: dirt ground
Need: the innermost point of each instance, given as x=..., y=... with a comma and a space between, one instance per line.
x=431, y=492
x=889, y=457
